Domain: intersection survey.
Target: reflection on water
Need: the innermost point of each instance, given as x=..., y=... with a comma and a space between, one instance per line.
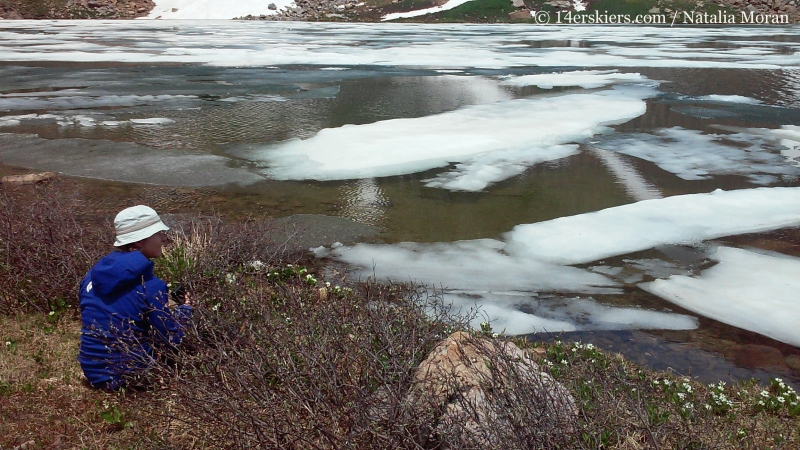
x=363, y=201
x=626, y=174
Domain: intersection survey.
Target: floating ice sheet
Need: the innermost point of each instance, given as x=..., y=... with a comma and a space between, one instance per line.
x=81, y=120
x=477, y=266
x=757, y=292
x=730, y=99
x=492, y=142
x=514, y=314
x=682, y=219
x=586, y=79
x=692, y=155
x=15, y=102
x=440, y=46
x=535, y=257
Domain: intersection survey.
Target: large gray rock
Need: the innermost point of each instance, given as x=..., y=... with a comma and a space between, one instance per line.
x=476, y=392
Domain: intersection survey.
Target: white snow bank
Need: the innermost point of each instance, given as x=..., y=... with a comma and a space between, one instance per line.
x=682, y=219
x=492, y=142
x=195, y=9
x=692, y=155
x=421, y=12
x=757, y=292
x=586, y=79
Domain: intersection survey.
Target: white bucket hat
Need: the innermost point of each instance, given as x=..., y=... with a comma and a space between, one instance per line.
x=136, y=223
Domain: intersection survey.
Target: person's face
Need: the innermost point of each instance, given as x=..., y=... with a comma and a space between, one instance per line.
x=152, y=246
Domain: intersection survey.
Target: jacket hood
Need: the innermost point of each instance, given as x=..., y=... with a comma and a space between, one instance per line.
x=119, y=270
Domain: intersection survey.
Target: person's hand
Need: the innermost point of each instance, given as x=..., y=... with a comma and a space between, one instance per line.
x=187, y=300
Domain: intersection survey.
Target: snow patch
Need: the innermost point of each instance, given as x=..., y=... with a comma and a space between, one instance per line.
x=421, y=12
x=193, y=9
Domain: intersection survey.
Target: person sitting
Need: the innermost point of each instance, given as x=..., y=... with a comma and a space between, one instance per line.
x=123, y=306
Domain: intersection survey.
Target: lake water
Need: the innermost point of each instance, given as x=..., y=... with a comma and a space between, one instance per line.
x=480, y=153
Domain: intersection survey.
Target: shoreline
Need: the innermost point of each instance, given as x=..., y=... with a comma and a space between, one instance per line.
x=539, y=12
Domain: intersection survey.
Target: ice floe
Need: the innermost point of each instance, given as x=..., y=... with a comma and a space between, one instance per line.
x=681, y=219
x=693, y=155
x=81, y=120
x=15, y=102
x=586, y=79
x=515, y=314
x=440, y=46
x=789, y=138
x=753, y=291
x=730, y=99
x=152, y=121
x=502, y=275
x=491, y=142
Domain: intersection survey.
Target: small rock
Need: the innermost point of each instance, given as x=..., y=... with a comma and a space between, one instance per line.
x=174, y=9
x=272, y=6
x=521, y=14
x=654, y=10
x=518, y=3
x=793, y=361
x=30, y=178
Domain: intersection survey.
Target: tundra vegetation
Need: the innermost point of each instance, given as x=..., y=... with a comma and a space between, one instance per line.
x=279, y=357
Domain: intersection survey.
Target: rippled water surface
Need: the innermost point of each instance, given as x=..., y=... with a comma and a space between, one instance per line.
x=445, y=138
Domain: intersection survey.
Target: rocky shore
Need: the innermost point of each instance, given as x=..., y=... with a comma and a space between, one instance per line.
x=342, y=10
x=75, y=9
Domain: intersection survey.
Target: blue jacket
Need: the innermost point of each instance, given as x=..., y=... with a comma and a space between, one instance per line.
x=124, y=313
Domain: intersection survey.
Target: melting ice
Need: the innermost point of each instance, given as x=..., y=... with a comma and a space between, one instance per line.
x=489, y=142
x=502, y=275
x=693, y=155
x=754, y=291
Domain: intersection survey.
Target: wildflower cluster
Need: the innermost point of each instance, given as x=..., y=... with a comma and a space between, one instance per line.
x=282, y=274
x=486, y=330
x=680, y=393
x=719, y=402
x=779, y=396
